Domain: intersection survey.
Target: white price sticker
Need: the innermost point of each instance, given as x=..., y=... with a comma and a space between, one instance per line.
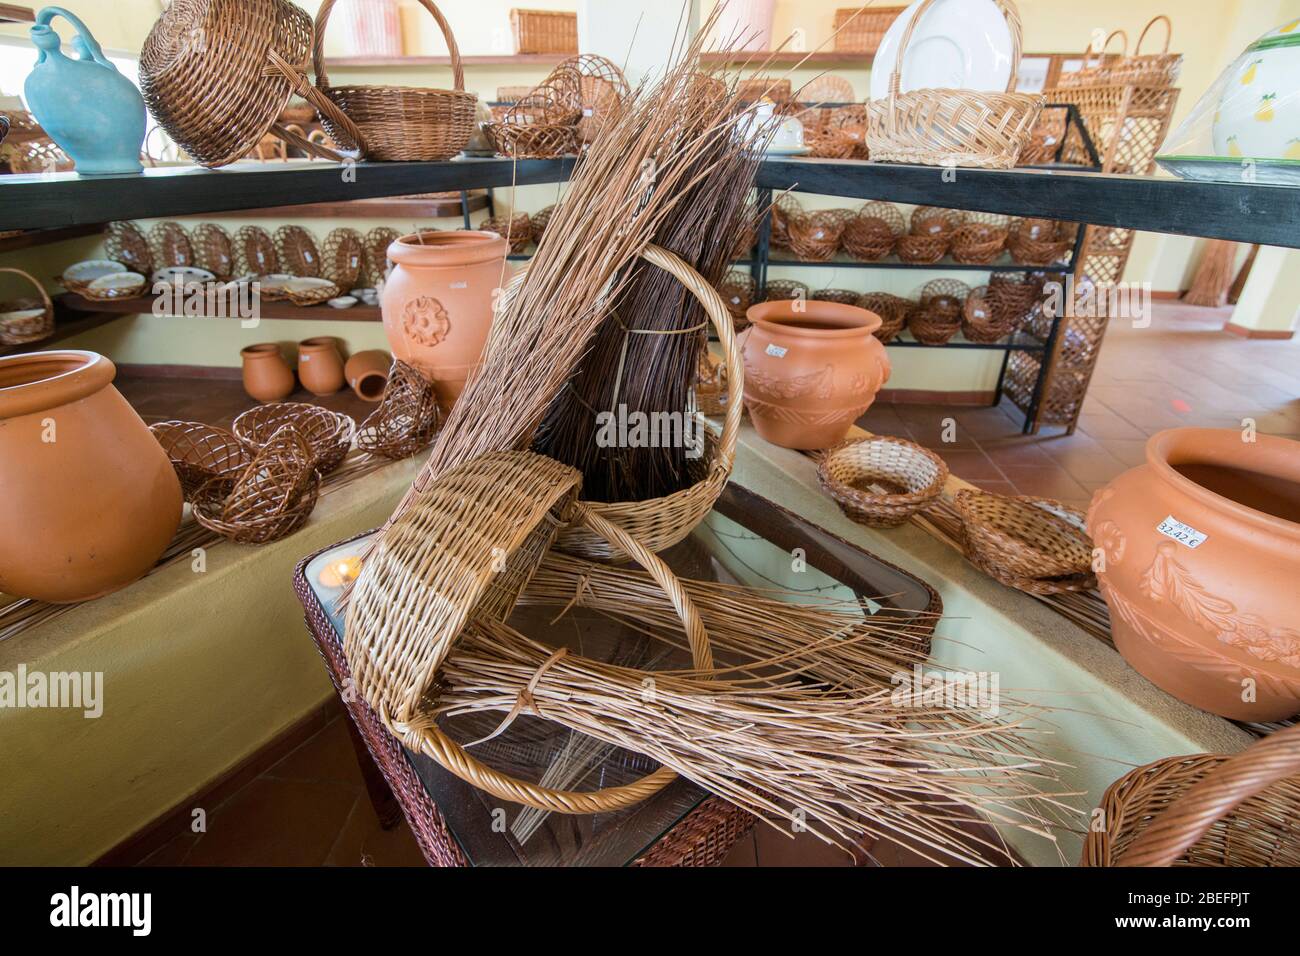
x=776, y=351
x=1184, y=534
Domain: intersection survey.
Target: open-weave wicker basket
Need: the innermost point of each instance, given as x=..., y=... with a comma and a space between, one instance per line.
x=873, y=231
x=400, y=629
x=981, y=322
x=1150, y=69
x=738, y=290
x=882, y=481
x=949, y=127
x=533, y=140
x=1033, y=544
x=978, y=243
x=815, y=236
x=399, y=123
x=407, y=418
x=269, y=499
x=328, y=434
x=125, y=243
x=892, y=309
x=201, y=453
x=24, y=329
x=1206, y=810
x=516, y=229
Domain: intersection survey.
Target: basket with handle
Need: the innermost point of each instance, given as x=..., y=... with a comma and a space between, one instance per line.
x=660, y=523
x=1095, y=74
x=29, y=319
x=1205, y=810
x=1150, y=69
x=462, y=553
x=398, y=123
x=947, y=127
x=218, y=74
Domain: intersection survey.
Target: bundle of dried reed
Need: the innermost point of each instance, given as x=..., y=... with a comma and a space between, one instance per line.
x=1214, y=274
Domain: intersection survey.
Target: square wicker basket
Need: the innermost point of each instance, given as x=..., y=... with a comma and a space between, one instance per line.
x=863, y=33
x=544, y=31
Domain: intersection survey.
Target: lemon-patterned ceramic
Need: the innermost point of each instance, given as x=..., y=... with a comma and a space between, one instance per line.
x=1259, y=113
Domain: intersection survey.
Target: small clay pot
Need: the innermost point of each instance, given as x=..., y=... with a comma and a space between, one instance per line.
x=811, y=369
x=267, y=377
x=367, y=373
x=88, y=498
x=320, y=366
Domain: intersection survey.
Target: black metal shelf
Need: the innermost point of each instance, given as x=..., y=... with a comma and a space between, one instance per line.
x=1004, y=264
x=1019, y=342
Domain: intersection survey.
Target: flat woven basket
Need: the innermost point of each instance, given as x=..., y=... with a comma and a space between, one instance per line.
x=399, y=123
x=1207, y=810
x=882, y=481
x=22, y=329
x=463, y=552
x=947, y=127
x=1033, y=544
x=660, y=523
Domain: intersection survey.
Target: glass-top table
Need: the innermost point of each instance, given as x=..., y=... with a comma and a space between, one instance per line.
x=747, y=540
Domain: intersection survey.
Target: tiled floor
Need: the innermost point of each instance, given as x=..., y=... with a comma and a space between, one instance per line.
x=1182, y=370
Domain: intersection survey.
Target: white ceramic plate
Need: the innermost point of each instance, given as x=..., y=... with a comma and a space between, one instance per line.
x=959, y=44
x=185, y=275
x=342, y=302
x=307, y=284
x=21, y=314
x=92, y=269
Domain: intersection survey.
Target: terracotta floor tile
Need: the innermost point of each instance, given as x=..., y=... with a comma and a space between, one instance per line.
x=997, y=487
x=363, y=842
x=1109, y=426
x=1051, y=482
x=174, y=852
x=1019, y=450
x=328, y=757
x=970, y=464
x=1130, y=451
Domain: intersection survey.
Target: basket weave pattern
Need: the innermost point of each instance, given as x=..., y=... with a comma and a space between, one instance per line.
x=328, y=434
x=882, y=481
x=1033, y=544
x=201, y=453
x=270, y=499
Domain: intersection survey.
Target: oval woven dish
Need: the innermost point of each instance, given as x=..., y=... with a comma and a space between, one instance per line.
x=328, y=434
x=882, y=481
x=1033, y=544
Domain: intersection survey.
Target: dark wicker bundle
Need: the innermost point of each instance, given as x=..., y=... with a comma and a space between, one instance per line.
x=125, y=243
x=214, y=250
x=296, y=249
x=892, y=309
x=815, y=236
x=201, y=453
x=1036, y=242
x=343, y=258
x=271, y=498
x=783, y=290
x=377, y=242
x=738, y=290
x=842, y=296
x=171, y=245
x=255, y=251
x=516, y=229
x=328, y=434
x=1032, y=544
x=977, y=243
x=538, y=222
x=872, y=233
x=407, y=418
x=980, y=322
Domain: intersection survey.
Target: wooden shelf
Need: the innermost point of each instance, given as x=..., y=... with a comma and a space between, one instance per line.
x=819, y=60
x=270, y=310
x=43, y=237
x=398, y=207
x=66, y=325
x=413, y=62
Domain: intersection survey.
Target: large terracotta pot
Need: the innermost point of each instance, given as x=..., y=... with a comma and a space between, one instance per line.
x=437, y=303
x=88, y=499
x=811, y=369
x=320, y=366
x=1201, y=569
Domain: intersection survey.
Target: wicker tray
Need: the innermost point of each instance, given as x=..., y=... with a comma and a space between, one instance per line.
x=1025, y=539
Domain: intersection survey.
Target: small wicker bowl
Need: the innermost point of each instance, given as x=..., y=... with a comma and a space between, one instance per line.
x=978, y=243
x=783, y=290
x=922, y=250
x=815, y=236
x=538, y=222
x=892, y=309
x=201, y=453
x=737, y=290
x=210, y=506
x=517, y=229
x=842, y=296
x=882, y=481
x=532, y=140
x=981, y=322
x=1033, y=544
x=407, y=417
x=328, y=434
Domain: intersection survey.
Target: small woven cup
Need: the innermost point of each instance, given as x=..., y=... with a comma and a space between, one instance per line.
x=922, y=249
x=978, y=243
x=882, y=481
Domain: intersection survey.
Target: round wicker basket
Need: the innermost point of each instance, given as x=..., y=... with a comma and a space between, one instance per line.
x=270, y=499
x=202, y=453
x=882, y=481
x=1026, y=540
x=26, y=320
x=892, y=309
x=328, y=434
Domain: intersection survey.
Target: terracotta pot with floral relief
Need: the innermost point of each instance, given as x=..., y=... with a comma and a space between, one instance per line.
x=320, y=366
x=1199, y=562
x=88, y=498
x=811, y=369
x=267, y=377
x=437, y=303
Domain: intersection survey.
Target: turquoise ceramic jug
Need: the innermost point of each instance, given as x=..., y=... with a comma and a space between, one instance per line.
x=94, y=113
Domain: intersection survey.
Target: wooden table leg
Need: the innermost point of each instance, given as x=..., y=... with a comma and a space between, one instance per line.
x=386, y=806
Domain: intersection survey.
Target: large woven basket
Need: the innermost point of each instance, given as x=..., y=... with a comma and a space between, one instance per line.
x=217, y=74
x=1206, y=810
x=947, y=127
x=462, y=552
x=660, y=523
x=399, y=123
x=26, y=320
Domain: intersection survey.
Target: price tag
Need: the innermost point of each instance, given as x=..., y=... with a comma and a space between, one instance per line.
x=775, y=351
x=1184, y=534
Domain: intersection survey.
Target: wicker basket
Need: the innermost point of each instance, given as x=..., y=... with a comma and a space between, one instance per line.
x=328, y=434
x=516, y=229
x=399, y=123
x=981, y=322
x=785, y=208
x=539, y=221
x=922, y=250
x=1025, y=539
x=544, y=31
x=171, y=245
x=827, y=88
x=882, y=481
x=602, y=87
x=296, y=250
x=202, y=453
x=1012, y=298
x=1100, y=72
x=738, y=290
x=784, y=290
x=125, y=243
x=873, y=232
x=842, y=296
x=270, y=499
x=218, y=98
x=533, y=140
x=26, y=320
x=214, y=250
x=343, y=258
x=892, y=309
x=1150, y=69
x=399, y=632
x=255, y=252
x=1207, y=810
x=815, y=236
x=407, y=418
x=978, y=243
x=376, y=244
x=860, y=29
x=758, y=88
x=1043, y=249
x=946, y=127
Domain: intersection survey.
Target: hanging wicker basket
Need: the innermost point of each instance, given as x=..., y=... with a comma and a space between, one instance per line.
x=882, y=481
x=948, y=127
x=398, y=123
x=26, y=320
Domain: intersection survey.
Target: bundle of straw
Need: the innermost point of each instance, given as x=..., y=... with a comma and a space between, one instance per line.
x=1214, y=274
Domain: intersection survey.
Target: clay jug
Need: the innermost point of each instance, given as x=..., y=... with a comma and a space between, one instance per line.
x=1199, y=559
x=437, y=303
x=320, y=366
x=88, y=499
x=367, y=373
x=811, y=369
x=267, y=377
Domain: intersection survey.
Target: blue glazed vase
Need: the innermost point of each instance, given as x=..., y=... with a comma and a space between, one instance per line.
x=93, y=112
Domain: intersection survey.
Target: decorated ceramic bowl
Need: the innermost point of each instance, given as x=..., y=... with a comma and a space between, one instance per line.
x=1258, y=116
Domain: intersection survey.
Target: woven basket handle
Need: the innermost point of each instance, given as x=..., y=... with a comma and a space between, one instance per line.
x=45, y=298
x=318, y=47
x=1101, y=54
x=1009, y=11
x=1169, y=34
x=1234, y=781
x=323, y=104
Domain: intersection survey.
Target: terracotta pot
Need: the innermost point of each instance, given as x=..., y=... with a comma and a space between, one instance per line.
x=1212, y=619
x=367, y=373
x=437, y=303
x=267, y=377
x=320, y=366
x=88, y=499
x=811, y=369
